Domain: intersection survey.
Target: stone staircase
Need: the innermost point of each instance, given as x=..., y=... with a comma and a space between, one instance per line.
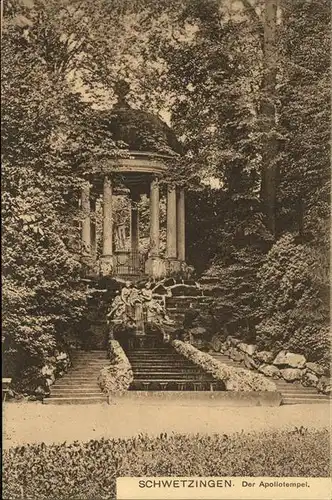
x=178, y=306
x=79, y=385
x=162, y=368
x=156, y=369
x=292, y=393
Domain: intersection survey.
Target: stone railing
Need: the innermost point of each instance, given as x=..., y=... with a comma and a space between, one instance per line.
x=118, y=375
x=234, y=379
x=286, y=365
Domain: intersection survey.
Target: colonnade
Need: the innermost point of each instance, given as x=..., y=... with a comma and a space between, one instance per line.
x=175, y=240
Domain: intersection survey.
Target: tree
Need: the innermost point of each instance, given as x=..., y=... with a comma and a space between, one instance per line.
x=268, y=115
x=304, y=96
x=295, y=279
x=42, y=299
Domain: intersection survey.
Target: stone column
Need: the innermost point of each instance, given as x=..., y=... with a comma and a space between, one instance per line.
x=155, y=265
x=180, y=212
x=134, y=225
x=171, y=223
x=93, y=230
x=86, y=227
x=154, y=218
x=107, y=257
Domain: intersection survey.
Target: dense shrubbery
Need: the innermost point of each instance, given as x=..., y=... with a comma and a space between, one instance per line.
x=235, y=379
x=89, y=470
x=294, y=292
x=236, y=310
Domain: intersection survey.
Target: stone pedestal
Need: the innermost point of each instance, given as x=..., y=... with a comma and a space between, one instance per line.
x=155, y=267
x=106, y=265
x=173, y=266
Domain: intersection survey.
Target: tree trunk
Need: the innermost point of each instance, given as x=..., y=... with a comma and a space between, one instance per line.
x=268, y=115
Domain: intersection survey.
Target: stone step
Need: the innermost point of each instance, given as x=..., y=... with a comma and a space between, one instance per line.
x=170, y=373
x=152, y=352
x=161, y=364
x=74, y=387
x=311, y=395
x=92, y=380
x=72, y=400
x=165, y=359
x=179, y=385
x=141, y=352
x=174, y=378
x=75, y=393
x=166, y=368
x=304, y=401
x=81, y=387
x=155, y=356
x=290, y=390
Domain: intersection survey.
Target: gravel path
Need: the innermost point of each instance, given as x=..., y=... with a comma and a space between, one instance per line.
x=35, y=422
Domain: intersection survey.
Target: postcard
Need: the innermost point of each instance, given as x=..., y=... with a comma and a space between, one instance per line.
x=165, y=216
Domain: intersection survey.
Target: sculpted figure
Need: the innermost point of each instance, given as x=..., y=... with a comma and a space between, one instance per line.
x=147, y=299
x=126, y=296
x=118, y=307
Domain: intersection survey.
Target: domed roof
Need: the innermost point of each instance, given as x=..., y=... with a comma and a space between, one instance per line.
x=139, y=130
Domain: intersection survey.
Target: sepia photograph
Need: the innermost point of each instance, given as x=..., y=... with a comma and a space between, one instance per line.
x=165, y=180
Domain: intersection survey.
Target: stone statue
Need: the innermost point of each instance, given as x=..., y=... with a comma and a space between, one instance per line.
x=138, y=307
x=121, y=236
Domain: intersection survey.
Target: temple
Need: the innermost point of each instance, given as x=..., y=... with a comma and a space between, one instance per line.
x=151, y=148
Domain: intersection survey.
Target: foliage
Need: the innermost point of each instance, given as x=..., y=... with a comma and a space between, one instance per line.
x=294, y=290
x=42, y=299
x=304, y=96
x=237, y=307
x=118, y=375
x=235, y=379
x=89, y=470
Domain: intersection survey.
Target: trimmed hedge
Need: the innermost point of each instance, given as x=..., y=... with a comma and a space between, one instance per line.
x=89, y=470
x=235, y=379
